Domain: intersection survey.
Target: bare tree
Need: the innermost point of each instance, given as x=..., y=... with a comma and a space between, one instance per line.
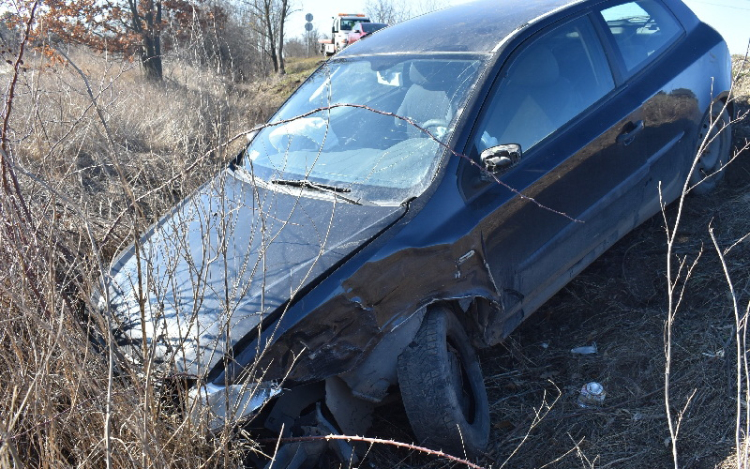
x=284, y=8
x=391, y=12
x=122, y=26
x=305, y=45
x=426, y=6
x=270, y=19
x=383, y=11
x=146, y=22
x=312, y=38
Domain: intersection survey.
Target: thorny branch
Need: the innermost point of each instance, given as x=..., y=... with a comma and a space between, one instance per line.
x=378, y=441
x=258, y=128
x=677, y=281
x=25, y=231
x=743, y=366
x=5, y=163
x=408, y=121
x=539, y=415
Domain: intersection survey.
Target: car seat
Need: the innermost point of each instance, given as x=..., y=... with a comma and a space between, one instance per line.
x=534, y=101
x=427, y=98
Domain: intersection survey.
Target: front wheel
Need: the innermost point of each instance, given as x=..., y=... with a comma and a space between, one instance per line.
x=713, y=149
x=442, y=387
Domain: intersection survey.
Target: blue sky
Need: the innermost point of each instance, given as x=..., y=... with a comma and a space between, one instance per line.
x=730, y=17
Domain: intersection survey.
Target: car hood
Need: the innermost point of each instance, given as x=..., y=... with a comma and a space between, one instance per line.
x=227, y=257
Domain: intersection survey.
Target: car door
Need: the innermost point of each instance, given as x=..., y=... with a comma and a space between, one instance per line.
x=639, y=34
x=571, y=194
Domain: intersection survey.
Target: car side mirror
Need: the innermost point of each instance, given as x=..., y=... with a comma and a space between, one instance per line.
x=500, y=157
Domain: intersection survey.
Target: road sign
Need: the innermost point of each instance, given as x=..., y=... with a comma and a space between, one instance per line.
x=308, y=18
x=308, y=27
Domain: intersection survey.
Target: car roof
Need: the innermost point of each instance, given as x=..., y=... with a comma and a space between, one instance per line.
x=477, y=27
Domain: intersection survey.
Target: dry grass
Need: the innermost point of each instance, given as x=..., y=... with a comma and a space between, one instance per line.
x=157, y=131
x=60, y=406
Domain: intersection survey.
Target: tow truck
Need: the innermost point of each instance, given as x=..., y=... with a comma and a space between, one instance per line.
x=342, y=26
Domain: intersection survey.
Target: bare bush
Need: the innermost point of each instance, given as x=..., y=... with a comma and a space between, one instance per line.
x=680, y=269
x=92, y=156
x=156, y=131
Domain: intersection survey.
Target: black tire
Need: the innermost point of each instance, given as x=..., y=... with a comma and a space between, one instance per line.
x=442, y=387
x=715, y=152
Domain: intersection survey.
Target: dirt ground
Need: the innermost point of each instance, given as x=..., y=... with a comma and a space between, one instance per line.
x=620, y=303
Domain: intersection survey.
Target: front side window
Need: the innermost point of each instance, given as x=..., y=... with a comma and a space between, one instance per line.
x=552, y=80
x=641, y=29
x=347, y=127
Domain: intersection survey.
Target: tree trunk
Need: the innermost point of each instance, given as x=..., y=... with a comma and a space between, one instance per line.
x=282, y=19
x=148, y=27
x=268, y=19
x=151, y=58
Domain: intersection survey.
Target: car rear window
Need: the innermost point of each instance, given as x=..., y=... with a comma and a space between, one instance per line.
x=641, y=30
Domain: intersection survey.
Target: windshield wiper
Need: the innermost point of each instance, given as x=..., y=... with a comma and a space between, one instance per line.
x=337, y=191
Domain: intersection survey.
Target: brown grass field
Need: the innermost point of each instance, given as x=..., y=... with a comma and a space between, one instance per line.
x=92, y=188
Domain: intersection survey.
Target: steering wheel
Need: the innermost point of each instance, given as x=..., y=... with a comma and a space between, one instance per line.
x=437, y=127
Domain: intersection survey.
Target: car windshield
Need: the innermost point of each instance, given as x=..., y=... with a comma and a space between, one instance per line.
x=354, y=126
x=350, y=24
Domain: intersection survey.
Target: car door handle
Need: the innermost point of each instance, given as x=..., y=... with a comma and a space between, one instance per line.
x=631, y=132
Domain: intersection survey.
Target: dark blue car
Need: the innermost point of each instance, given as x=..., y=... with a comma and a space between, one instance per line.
x=420, y=195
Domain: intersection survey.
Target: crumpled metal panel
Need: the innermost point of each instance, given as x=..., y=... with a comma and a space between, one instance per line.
x=224, y=259
x=221, y=405
x=333, y=337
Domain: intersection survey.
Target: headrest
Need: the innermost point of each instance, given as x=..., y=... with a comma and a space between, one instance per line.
x=537, y=67
x=415, y=75
x=431, y=74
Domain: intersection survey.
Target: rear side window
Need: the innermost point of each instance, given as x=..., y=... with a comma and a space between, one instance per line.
x=641, y=29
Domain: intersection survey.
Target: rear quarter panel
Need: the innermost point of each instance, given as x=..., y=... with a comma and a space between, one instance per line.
x=677, y=91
